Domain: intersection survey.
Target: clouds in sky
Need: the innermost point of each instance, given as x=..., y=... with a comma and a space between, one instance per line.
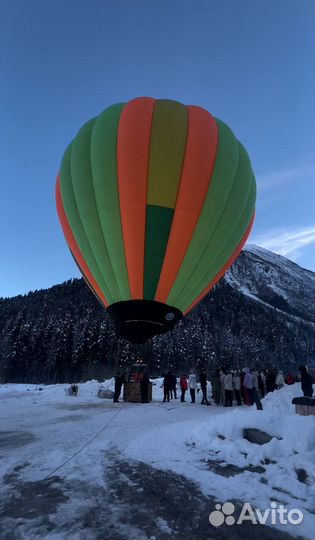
x=283, y=177
x=285, y=222
x=287, y=243
x=273, y=187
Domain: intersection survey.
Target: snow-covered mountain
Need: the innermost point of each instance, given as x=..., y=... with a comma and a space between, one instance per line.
x=261, y=313
x=274, y=280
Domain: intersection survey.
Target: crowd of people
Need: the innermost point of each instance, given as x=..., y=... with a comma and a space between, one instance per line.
x=246, y=386
x=227, y=386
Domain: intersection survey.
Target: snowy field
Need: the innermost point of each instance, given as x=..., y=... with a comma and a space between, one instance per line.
x=86, y=468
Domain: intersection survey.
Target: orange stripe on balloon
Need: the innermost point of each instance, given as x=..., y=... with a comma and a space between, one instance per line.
x=133, y=145
x=200, y=154
x=227, y=265
x=74, y=248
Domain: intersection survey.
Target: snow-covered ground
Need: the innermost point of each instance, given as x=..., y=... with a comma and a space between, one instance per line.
x=74, y=448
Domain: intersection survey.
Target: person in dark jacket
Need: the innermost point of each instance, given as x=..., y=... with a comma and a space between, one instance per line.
x=270, y=381
x=166, y=386
x=242, y=385
x=203, y=386
x=306, y=382
x=215, y=384
x=73, y=391
x=192, y=385
x=183, y=382
x=119, y=381
x=144, y=388
x=173, y=383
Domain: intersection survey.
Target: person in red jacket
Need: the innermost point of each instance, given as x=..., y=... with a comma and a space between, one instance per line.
x=183, y=386
x=290, y=379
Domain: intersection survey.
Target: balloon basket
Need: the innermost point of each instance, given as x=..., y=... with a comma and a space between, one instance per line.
x=132, y=392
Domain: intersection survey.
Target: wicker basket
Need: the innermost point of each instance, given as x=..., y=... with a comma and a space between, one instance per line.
x=132, y=392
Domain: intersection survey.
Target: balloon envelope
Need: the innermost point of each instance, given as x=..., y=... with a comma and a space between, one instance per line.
x=156, y=200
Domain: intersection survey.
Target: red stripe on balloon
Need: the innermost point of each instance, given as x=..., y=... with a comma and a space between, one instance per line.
x=227, y=265
x=199, y=159
x=74, y=248
x=133, y=146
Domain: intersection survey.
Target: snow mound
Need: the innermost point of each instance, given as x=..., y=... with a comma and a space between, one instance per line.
x=291, y=434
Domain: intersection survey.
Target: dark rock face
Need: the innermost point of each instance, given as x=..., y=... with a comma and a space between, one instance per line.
x=261, y=313
x=302, y=475
x=256, y=436
x=228, y=469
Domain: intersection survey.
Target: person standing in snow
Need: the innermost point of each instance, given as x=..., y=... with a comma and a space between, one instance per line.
x=271, y=380
x=254, y=373
x=144, y=388
x=262, y=384
x=119, y=381
x=183, y=383
x=255, y=396
x=192, y=385
x=290, y=379
x=215, y=385
x=73, y=390
x=279, y=380
x=242, y=372
x=203, y=385
x=222, y=389
x=306, y=382
x=228, y=389
x=237, y=387
x=166, y=386
x=248, y=386
x=173, y=383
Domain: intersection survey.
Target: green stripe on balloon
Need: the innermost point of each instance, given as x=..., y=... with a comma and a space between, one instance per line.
x=220, y=259
x=220, y=187
x=86, y=280
x=235, y=211
x=158, y=226
x=105, y=184
x=87, y=207
x=74, y=218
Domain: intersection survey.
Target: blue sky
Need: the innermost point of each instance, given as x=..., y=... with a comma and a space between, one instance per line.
x=249, y=62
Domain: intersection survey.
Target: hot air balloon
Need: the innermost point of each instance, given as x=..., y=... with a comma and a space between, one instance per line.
x=156, y=199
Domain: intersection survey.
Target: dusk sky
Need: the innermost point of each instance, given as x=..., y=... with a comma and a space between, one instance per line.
x=249, y=62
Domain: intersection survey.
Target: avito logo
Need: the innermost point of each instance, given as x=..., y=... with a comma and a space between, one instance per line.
x=274, y=515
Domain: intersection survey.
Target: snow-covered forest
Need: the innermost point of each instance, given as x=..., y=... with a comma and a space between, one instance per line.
x=260, y=313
